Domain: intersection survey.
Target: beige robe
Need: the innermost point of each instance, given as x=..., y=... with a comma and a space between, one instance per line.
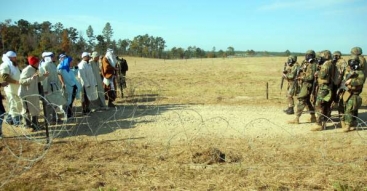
x=51, y=82
x=28, y=91
x=98, y=77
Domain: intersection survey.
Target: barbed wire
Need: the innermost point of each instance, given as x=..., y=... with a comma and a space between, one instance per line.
x=141, y=115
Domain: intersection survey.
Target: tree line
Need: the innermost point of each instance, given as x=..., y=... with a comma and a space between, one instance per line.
x=33, y=38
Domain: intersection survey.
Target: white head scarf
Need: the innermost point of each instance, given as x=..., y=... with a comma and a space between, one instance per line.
x=111, y=58
x=6, y=59
x=47, y=56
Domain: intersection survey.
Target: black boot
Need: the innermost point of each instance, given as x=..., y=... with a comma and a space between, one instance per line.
x=35, y=125
x=289, y=111
x=28, y=122
x=69, y=112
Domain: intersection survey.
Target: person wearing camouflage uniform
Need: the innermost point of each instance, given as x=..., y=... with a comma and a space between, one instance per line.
x=357, y=51
x=290, y=74
x=338, y=73
x=305, y=79
x=350, y=101
x=324, y=81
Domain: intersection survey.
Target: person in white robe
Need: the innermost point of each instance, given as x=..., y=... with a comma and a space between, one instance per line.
x=94, y=62
x=50, y=84
x=88, y=82
x=10, y=73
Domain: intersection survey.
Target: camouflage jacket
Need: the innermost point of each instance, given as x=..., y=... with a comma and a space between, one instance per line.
x=308, y=71
x=356, y=83
x=363, y=65
x=291, y=72
x=324, y=75
x=339, y=68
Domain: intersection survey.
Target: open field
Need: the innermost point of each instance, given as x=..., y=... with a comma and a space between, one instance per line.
x=199, y=124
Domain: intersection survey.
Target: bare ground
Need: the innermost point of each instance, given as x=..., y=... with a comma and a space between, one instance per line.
x=191, y=147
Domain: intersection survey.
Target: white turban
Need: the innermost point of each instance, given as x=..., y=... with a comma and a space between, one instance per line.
x=11, y=54
x=85, y=54
x=6, y=59
x=45, y=54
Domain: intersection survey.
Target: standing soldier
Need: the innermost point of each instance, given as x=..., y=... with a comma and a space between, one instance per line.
x=339, y=68
x=122, y=69
x=351, y=87
x=290, y=75
x=357, y=51
x=306, y=78
x=324, y=81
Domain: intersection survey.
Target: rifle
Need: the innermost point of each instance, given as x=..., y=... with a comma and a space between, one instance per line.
x=343, y=88
x=281, y=84
x=295, y=83
x=314, y=87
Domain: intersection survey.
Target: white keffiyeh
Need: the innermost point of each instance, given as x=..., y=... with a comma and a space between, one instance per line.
x=13, y=69
x=111, y=58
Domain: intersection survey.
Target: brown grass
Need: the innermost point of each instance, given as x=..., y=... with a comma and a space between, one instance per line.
x=204, y=163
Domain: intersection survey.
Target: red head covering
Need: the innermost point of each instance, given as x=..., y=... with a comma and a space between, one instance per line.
x=32, y=60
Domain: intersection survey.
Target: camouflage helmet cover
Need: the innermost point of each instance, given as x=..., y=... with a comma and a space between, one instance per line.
x=326, y=54
x=318, y=54
x=354, y=57
x=356, y=50
x=312, y=52
x=338, y=53
x=293, y=58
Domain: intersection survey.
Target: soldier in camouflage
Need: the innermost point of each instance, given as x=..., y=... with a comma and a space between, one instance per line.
x=338, y=73
x=357, y=51
x=350, y=101
x=305, y=79
x=324, y=81
x=290, y=74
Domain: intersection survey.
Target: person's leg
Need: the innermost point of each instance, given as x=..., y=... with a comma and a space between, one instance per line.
x=2, y=113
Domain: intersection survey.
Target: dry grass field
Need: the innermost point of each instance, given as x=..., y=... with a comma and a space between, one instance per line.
x=198, y=124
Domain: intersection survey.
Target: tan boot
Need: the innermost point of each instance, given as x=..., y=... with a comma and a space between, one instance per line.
x=294, y=121
x=317, y=127
x=346, y=128
x=313, y=118
x=353, y=125
x=342, y=124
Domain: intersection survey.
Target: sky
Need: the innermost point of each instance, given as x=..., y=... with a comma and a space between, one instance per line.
x=266, y=25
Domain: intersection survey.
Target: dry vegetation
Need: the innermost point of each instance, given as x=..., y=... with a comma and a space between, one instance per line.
x=127, y=160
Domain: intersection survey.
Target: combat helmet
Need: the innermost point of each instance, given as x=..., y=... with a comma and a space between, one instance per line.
x=310, y=55
x=326, y=55
x=292, y=59
x=356, y=50
x=336, y=55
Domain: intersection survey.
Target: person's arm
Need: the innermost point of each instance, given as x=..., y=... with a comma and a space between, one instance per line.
x=26, y=78
x=61, y=79
x=10, y=80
